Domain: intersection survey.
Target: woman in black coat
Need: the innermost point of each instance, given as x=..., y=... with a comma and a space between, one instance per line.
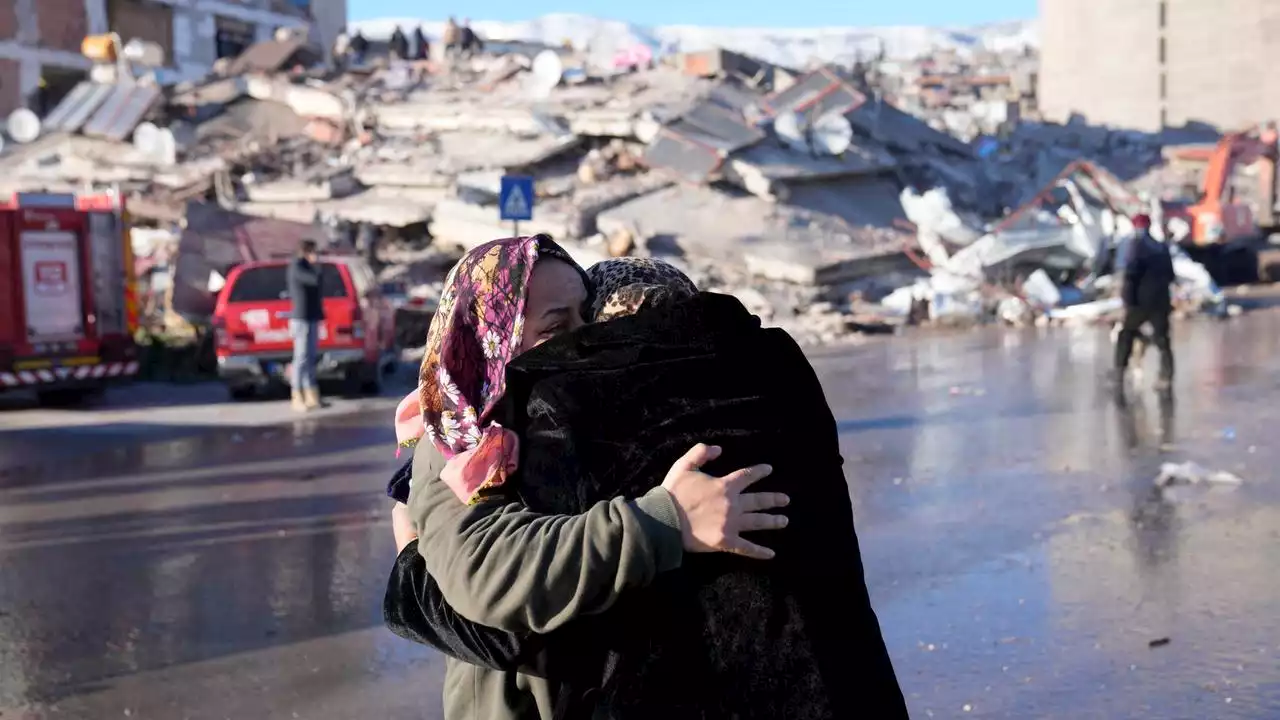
x=603, y=410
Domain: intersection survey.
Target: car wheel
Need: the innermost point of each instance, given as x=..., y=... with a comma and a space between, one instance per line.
x=242, y=392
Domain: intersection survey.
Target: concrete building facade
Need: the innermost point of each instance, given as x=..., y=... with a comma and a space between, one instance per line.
x=1148, y=64
x=40, y=39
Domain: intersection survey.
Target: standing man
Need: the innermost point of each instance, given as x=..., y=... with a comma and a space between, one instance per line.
x=341, y=46
x=421, y=46
x=304, y=324
x=1148, y=273
x=399, y=45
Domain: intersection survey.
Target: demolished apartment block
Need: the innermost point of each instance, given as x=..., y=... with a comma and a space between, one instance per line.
x=754, y=176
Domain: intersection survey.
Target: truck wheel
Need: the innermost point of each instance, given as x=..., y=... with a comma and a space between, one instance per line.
x=66, y=398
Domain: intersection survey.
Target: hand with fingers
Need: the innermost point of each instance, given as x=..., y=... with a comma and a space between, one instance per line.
x=714, y=511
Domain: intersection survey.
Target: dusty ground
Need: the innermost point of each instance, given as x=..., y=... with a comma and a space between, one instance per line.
x=171, y=557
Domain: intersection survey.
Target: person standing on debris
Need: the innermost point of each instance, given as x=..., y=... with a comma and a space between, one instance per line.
x=468, y=40
x=1148, y=273
x=399, y=45
x=304, y=324
x=359, y=48
x=421, y=47
x=341, y=46
x=450, y=37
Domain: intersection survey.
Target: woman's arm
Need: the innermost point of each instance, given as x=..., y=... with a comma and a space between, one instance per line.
x=415, y=609
x=500, y=565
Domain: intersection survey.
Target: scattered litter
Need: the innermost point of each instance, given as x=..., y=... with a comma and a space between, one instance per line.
x=1159, y=642
x=1193, y=474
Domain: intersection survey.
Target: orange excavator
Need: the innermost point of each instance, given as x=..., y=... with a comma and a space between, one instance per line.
x=1229, y=209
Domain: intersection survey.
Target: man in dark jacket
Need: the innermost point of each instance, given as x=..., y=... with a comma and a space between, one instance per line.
x=468, y=40
x=399, y=45
x=421, y=46
x=1148, y=273
x=359, y=47
x=304, y=324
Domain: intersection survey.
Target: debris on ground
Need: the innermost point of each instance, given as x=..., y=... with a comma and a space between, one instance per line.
x=835, y=201
x=1192, y=474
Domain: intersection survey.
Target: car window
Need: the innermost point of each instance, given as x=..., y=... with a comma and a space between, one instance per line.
x=362, y=277
x=270, y=282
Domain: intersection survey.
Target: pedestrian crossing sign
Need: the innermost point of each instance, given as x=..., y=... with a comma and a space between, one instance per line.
x=515, y=200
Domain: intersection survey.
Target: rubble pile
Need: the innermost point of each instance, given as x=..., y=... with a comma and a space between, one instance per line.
x=810, y=195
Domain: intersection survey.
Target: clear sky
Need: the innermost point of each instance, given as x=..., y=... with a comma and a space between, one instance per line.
x=724, y=13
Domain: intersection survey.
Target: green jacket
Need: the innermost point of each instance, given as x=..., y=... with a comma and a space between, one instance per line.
x=498, y=564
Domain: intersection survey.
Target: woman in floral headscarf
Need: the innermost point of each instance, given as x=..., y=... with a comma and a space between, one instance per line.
x=713, y=640
x=511, y=568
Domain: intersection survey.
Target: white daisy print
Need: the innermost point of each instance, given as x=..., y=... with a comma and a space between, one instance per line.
x=449, y=429
x=472, y=437
x=469, y=415
x=517, y=328
x=447, y=385
x=492, y=344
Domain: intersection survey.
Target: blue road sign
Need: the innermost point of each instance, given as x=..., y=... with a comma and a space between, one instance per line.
x=515, y=201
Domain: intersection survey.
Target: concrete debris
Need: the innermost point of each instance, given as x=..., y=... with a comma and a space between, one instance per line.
x=835, y=201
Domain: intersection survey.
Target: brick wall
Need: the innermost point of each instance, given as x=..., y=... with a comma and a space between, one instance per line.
x=10, y=86
x=63, y=24
x=8, y=19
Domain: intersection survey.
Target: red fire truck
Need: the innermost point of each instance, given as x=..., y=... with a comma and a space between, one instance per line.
x=67, y=306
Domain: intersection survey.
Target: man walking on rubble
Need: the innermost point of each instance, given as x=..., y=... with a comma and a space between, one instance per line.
x=1148, y=273
x=399, y=45
x=449, y=38
x=468, y=40
x=303, y=280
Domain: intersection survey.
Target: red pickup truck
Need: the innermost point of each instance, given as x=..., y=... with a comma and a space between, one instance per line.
x=251, y=325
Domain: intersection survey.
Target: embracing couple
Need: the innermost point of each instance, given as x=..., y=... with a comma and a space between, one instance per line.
x=600, y=459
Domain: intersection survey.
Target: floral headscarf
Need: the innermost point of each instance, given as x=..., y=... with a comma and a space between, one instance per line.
x=474, y=334
x=623, y=284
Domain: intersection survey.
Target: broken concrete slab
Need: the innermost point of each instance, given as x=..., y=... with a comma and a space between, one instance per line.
x=764, y=239
x=306, y=101
x=468, y=225
x=390, y=207
x=766, y=169
x=332, y=185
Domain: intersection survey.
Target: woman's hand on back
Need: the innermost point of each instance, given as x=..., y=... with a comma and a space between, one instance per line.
x=402, y=526
x=714, y=511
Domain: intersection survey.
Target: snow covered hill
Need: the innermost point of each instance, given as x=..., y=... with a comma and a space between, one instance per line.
x=791, y=47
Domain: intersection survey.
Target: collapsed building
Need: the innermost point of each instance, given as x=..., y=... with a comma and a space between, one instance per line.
x=808, y=194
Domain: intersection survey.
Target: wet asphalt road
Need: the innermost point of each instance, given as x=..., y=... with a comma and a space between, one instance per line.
x=175, y=562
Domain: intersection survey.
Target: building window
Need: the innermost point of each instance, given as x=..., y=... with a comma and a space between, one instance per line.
x=1164, y=86
x=1164, y=118
x=1164, y=14
x=232, y=37
x=1162, y=52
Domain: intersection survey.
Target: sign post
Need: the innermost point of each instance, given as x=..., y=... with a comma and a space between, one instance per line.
x=515, y=200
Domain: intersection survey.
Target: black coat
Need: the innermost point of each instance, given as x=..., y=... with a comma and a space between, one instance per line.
x=1148, y=274
x=603, y=412
x=303, y=281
